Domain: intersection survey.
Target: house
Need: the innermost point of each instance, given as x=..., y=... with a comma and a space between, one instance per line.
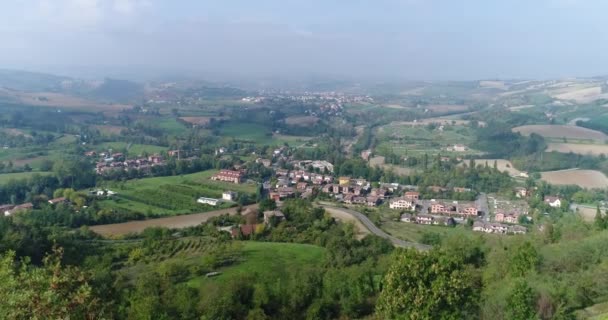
x=461, y=190
x=21, y=207
x=90, y=154
x=245, y=230
x=301, y=186
x=57, y=200
x=469, y=211
x=265, y=162
x=506, y=217
x=229, y=176
x=553, y=201
x=459, y=148
x=173, y=153
x=286, y=192
x=412, y=195
x=424, y=219
x=402, y=203
x=407, y=217
x=373, y=201
x=359, y=182
x=518, y=230
x=348, y=199
x=328, y=188
x=481, y=226
x=359, y=200
x=282, y=172
x=379, y=192
x=229, y=195
x=209, y=201
x=6, y=209
x=344, y=181
x=437, y=189
x=273, y=214
x=365, y=154
x=521, y=192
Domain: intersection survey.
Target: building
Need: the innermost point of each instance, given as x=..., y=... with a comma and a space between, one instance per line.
x=402, y=203
x=173, y=153
x=209, y=201
x=301, y=186
x=553, y=201
x=5, y=209
x=273, y=214
x=229, y=176
x=521, y=192
x=245, y=230
x=21, y=207
x=506, y=217
x=365, y=154
x=459, y=148
x=407, y=217
x=373, y=201
x=424, y=219
x=461, y=190
x=412, y=195
x=229, y=195
x=344, y=181
x=469, y=211
x=57, y=200
x=379, y=192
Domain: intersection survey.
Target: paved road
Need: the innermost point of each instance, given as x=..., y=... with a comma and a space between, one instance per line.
x=482, y=205
x=377, y=231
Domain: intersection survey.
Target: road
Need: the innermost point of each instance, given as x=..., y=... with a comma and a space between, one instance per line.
x=482, y=205
x=375, y=230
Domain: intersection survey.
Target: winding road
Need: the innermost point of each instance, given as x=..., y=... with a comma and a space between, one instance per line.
x=374, y=229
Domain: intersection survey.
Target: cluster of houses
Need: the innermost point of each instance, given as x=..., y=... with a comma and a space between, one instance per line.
x=356, y=191
x=117, y=161
x=499, y=228
x=232, y=176
x=10, y=209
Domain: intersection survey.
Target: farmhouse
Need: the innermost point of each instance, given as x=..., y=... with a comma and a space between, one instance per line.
x=209, y=201
x=229, y=195
x=553, y=201
x=229, y=176
x=402, y=203
x=273, y=214
x=407, y=217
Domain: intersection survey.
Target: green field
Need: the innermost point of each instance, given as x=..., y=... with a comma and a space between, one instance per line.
x=132, y=150
x=247, y=131
x=4, y=178
x=171, y=195
x=171, y=126
x=267, y=259
x=412, y=140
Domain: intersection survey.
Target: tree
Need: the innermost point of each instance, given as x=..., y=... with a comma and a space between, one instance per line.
x=429, y=285
x=520, y=302
x=48, y=292
x=600, y=220
x=524, y=259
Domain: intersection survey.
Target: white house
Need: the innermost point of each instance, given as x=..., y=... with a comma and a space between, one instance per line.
x=553, y=202
x=209, y=201
x=402, y=203
x=229, y=195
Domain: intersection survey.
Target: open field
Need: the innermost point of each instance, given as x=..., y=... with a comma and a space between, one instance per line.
x=578, y=148
x=132, y=149
x=190, y=220
x=173, y=195
x=6, y=177
x=58, y=100
x=584, y=178
x=266, y=259
x=109, y=130
x=578, y=93
x=15, y=132
x=446, y=108
x=562, y=131
x=502, y=164
x=379, y=161
x=302, y=121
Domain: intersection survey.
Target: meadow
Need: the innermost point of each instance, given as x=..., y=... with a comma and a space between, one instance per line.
x=6, y=177
x=584, y=178
x=173, y=195
x=132, y=149
x=562, y=131
x=578, y=148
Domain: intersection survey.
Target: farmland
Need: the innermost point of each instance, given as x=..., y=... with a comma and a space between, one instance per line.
x=562, y=131
x=302, y=120
x=578, y=148
x=501, y=164
x=584, y=178
x=183, y=221
x=6, y=177
x=171, y=195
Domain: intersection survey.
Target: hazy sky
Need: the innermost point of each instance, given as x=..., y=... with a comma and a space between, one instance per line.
x=410, y=39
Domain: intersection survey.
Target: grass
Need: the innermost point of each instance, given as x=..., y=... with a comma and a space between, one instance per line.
x=247, y=131
x=133, y=149
x=172, y=127
x=6, y=177
x=161, y=196
x=268, y=259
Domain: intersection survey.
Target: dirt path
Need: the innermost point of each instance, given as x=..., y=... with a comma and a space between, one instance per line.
x=176, y=222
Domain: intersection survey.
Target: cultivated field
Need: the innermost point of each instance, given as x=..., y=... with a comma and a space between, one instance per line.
x=502, y=164
x=379, y=161
x=109, y=130
x=562, y=131
x=584, y=178
x=446, y=108
x=199, y=121
x=578, y=148
x=302, y=121
x=578, y=93
x=190, y=220
x=58, y=100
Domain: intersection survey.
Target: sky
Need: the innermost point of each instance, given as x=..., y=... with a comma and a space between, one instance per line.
x=374, y=39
